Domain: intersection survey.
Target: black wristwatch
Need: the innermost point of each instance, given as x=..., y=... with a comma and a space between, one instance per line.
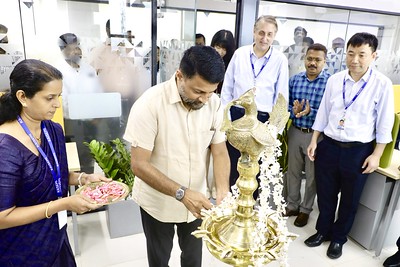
x=180, y=193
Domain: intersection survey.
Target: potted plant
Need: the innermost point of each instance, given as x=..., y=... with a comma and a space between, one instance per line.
x=114, y=159
x=123, y=217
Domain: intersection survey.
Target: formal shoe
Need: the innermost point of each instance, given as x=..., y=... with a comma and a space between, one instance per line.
x=393, y=261
x=301, y=219
x=289, y=212
x=315, y=240
x=334, y=251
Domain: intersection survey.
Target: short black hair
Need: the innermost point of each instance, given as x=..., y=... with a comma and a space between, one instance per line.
x=299, y=28
x=204, y=61
x=199, y=35
x=362, y=38
x=67, y=39
x=318, y=47
x=308, y=40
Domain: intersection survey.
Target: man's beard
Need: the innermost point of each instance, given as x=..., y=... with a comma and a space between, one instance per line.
x=190, y=103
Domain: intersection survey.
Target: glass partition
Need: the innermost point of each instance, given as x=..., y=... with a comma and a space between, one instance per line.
x=332, y=28
x=106, y=67
x=173, y=41
x=11, y=43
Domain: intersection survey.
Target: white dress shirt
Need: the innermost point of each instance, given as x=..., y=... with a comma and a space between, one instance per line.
x=78, y=81
x=369, y=117
x=272, y=80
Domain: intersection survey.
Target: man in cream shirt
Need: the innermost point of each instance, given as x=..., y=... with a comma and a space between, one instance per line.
x=171, y=127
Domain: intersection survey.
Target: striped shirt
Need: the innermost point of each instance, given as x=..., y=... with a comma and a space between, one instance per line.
x=300, y=87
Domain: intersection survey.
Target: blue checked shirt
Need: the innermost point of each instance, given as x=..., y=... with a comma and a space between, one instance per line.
x=300, y=87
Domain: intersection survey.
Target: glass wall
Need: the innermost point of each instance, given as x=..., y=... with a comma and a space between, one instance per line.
x=105, y=67
x=107, y=70
x=332, y=28
x=11, y=42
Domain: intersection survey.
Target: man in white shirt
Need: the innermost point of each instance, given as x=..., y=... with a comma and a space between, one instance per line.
x=171, y=128
x=356, y=111
x=257, y=65
x=79, y=78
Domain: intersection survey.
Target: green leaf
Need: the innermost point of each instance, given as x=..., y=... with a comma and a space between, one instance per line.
x=114, y=159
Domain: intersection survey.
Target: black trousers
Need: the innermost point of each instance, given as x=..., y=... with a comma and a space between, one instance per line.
x=338, y=170
x=159, y=239
x=234, y=154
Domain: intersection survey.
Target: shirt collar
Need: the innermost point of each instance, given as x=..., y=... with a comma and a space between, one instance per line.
x=320, y=75
x=266, y=54
x=364, y=77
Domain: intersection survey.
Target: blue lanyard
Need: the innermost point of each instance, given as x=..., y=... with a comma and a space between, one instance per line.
x=358, y=93
x=56, y=176
x=262, y=67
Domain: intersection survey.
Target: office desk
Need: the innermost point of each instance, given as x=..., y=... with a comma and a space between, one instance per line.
x=392, y=172
x=74, y=165
x=377, y=206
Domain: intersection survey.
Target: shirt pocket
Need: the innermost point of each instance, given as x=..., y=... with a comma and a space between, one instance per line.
x=205, y=138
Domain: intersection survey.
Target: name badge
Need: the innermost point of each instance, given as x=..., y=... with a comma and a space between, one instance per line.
x=62, y=218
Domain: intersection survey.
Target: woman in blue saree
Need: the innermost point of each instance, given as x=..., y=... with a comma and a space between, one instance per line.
x=34, y=174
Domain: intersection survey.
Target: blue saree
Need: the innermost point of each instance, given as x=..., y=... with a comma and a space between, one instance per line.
x=26, y=180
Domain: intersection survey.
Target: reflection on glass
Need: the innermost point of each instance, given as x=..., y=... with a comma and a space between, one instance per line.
x=332, y=27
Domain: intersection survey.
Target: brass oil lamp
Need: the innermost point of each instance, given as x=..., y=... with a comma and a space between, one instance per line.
x=230, y=235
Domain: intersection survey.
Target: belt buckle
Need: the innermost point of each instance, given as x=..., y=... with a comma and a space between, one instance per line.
x=305, y=130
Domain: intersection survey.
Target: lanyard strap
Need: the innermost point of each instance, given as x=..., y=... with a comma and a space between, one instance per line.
x=262, y=67
x=358, y=93
x=56, y=176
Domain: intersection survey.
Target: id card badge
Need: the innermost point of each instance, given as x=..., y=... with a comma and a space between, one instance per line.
x=62, y=218
x=255, y=90
x=341, y=124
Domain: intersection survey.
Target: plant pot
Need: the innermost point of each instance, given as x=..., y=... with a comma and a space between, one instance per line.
x=123, y=218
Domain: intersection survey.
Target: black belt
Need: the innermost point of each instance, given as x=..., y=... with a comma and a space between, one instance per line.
x=262, y=113
x=304, y=130
x=343, y=144
x=241, y=110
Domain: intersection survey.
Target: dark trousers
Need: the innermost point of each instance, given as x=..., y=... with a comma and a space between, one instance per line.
x=159, y=239
x=234, y=154
x=338, y=169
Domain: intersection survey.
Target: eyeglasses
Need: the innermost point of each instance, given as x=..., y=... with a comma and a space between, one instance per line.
x=316, y=59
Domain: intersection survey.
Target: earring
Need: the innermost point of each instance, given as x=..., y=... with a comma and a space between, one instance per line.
x=24, y=105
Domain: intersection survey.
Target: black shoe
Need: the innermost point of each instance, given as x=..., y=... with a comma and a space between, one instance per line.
x=393, y=261
x=301, y=219
x=289, y=212
x=334, y=250
x=315, y=240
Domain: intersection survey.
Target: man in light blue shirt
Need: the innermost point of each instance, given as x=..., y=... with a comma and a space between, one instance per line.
x=257, y=65
x=356, y=111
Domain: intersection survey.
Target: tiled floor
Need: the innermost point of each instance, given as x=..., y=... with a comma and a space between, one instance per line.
x=99, y=250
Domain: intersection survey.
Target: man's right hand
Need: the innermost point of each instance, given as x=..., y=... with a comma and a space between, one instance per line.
x=195, y=201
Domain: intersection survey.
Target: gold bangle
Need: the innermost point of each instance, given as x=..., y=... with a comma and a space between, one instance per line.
x=80, y=177
x=47, y=210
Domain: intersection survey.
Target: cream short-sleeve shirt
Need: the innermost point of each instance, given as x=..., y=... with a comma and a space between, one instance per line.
x=179, y=140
